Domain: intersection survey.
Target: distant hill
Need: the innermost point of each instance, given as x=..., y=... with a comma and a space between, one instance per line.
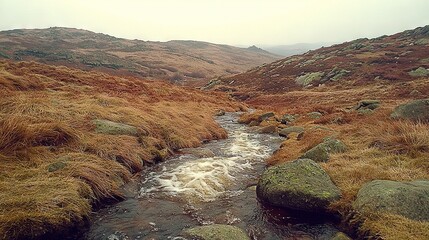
x=293, y=49
x=177, y=61
x=385, y=60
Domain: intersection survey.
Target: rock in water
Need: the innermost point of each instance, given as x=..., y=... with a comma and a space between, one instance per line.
x=416, y=111
x=301, y=185
x=408, y=199
x=216, y=232
x=320, y=153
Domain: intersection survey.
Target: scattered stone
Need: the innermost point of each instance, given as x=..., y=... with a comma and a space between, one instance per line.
x=53, y=167
x=265, y=116
x=335, y=74
x=308, y=78
x=419, y=72
x=286, y=131
x=301, y=185
x=114, y=128
x=288, y=118
x=416, y=110
x=408, y=199
x=220, y=112
x=320, y=153
x=268, y=129
x=253, y=123
x=368, y=104
x=314, y=115
x=216, y=232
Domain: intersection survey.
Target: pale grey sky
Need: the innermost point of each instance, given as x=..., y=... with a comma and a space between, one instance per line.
x=235, y=22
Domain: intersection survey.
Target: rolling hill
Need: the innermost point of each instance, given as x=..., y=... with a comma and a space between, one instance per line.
x=178, y=61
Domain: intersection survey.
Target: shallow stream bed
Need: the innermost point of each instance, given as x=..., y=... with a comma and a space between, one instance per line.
x=219, y=187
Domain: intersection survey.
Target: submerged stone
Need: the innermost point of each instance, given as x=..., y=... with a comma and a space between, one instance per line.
x=216, y=232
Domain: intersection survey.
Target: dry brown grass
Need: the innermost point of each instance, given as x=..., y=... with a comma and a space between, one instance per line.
x=378, y=148
x=54, y=165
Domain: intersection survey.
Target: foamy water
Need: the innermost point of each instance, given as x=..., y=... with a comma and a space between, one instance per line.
x=205, y=179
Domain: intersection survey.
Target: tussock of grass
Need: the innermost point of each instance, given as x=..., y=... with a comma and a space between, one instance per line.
x=53, y=164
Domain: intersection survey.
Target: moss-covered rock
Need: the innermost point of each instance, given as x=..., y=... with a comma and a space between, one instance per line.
x=53, y=167
x=314, y=115
x=286, y=131
x=320, y=153
x=114, y=128
x=301, y=185
x=415, y=110
x=409, y=199
x=419, y=72
x=308, y=78
x=216, y=232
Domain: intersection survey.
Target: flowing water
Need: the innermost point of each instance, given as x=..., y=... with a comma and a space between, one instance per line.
x=218, y=187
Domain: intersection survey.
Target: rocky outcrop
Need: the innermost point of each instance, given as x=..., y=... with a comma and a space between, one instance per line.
x=408, y=199
x=320, y=153
x=307, y=79
x=416, y=111
x=114, y=128
x=216, y=232
x=301, y=185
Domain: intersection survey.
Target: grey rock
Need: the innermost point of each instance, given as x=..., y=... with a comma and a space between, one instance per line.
x=301, y=185
x=320, y=153
x=416, y=110
x=114, y=128
x=408, y=199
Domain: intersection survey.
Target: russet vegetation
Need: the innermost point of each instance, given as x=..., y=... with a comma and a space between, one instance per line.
x=56, y=163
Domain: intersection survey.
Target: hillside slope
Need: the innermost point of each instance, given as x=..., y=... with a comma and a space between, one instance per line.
x=348, y=92
x=385, y=60
x=70, y=138
x=173, y=60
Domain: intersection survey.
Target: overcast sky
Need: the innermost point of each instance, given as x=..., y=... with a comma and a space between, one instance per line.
x=235, y=22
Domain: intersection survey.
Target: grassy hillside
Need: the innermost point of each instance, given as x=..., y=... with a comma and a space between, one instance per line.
x=70, y=138
x=323, y=91
x=178, y=61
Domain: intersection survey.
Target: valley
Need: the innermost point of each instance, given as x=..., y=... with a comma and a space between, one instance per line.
x=107, y=138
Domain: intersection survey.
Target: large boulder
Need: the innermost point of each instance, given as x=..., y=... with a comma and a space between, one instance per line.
x=114, y=128
x=309, y=78
x=416, y=110
x=301, y=185
x=320, y=153
x=409, y=199
x=286, y=131
x=216, y=232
